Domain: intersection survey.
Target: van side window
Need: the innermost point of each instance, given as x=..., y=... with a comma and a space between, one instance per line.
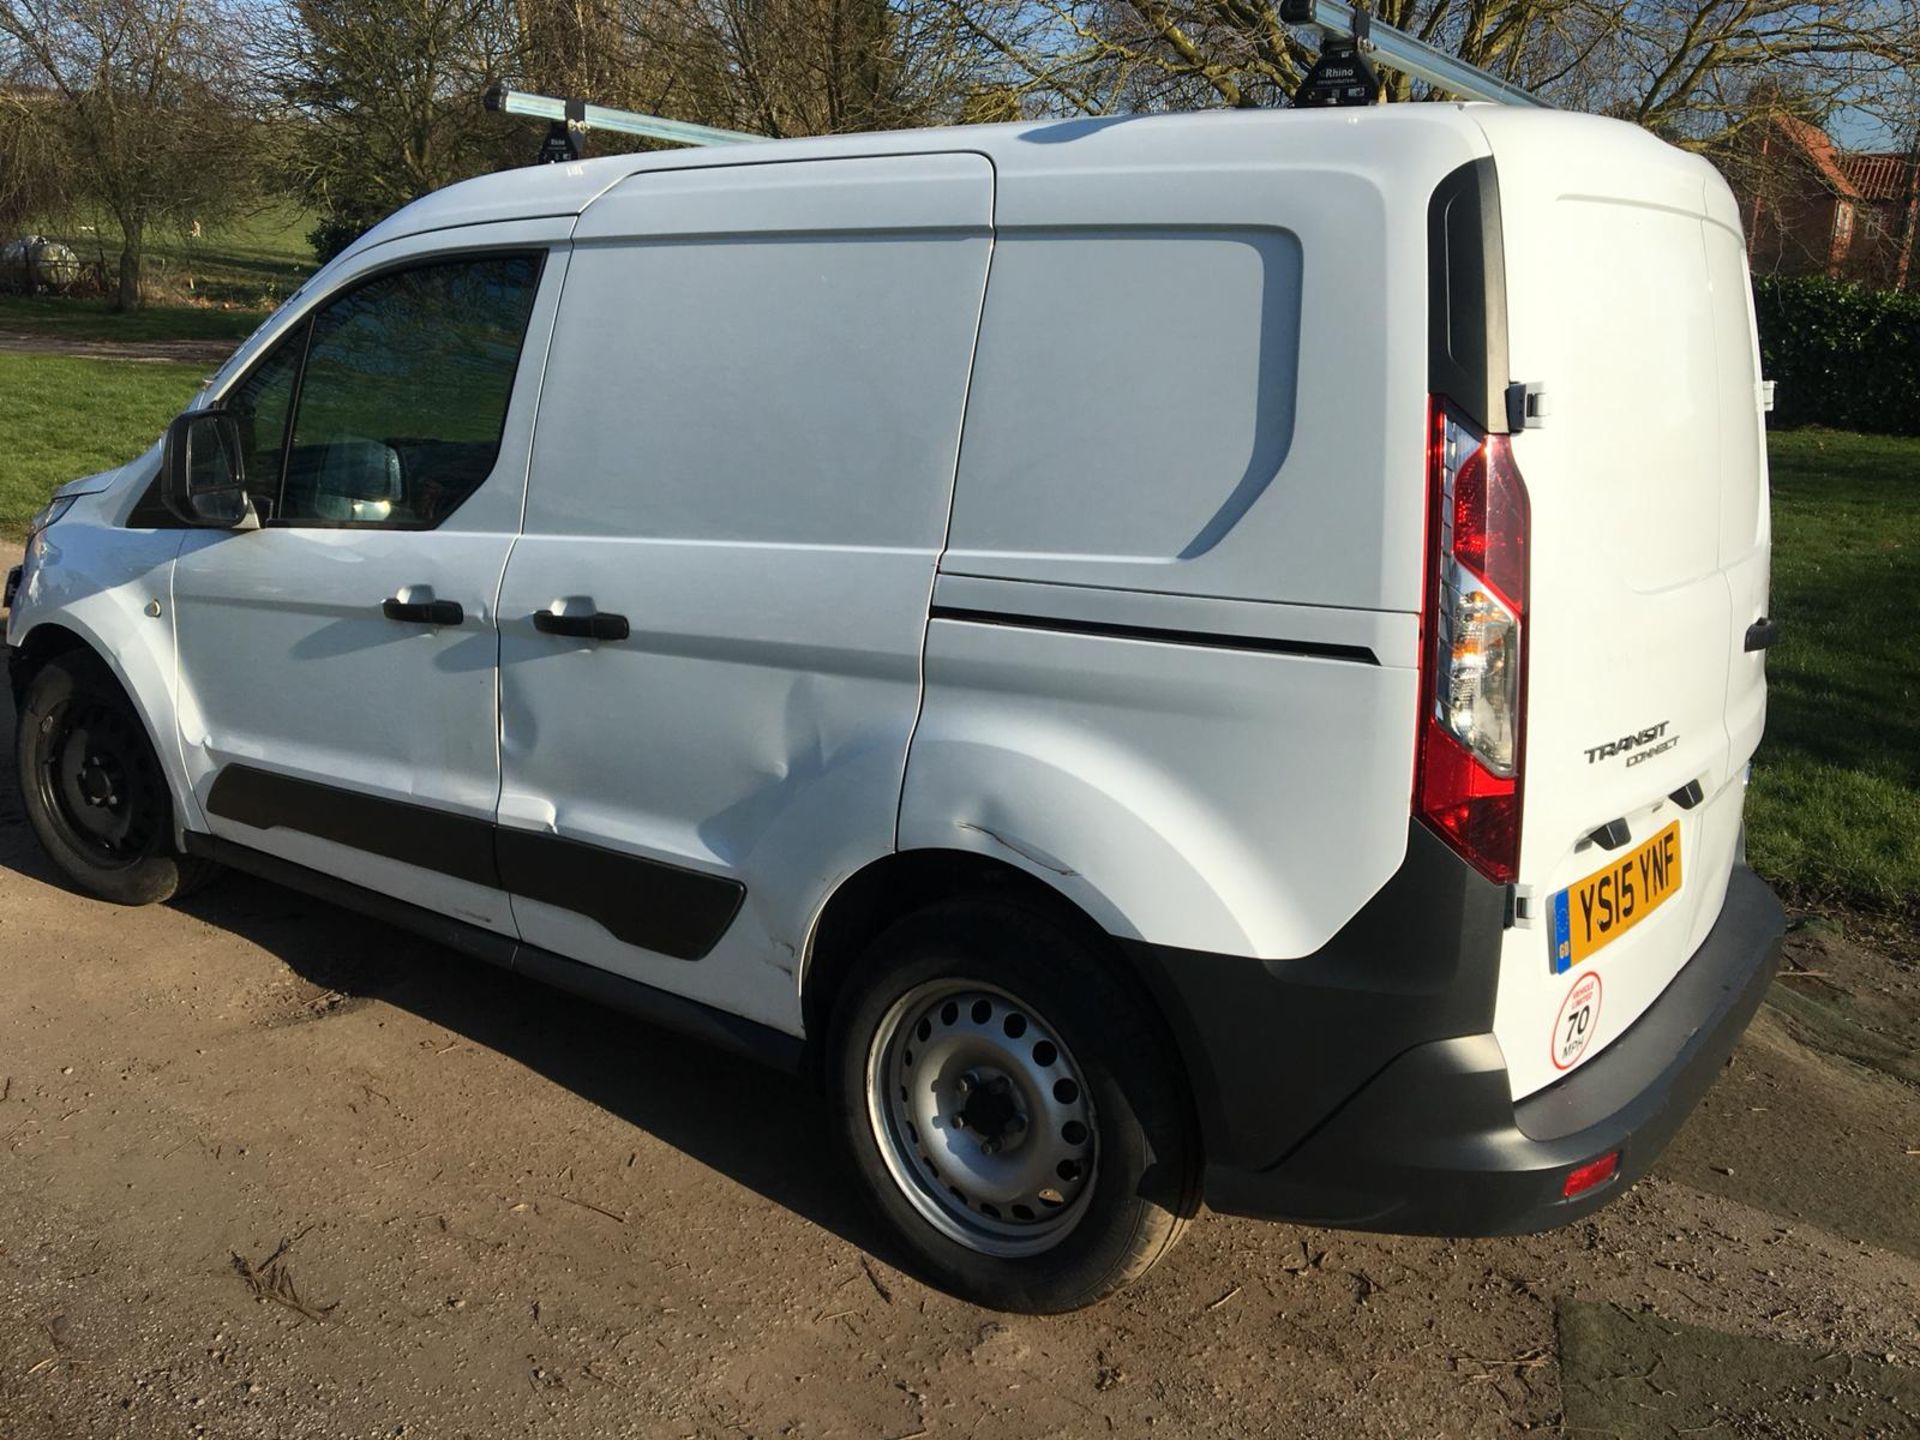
x=404, y=393
x=261, y=405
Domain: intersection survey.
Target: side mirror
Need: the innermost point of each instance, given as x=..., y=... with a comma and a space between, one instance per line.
x=203, y=472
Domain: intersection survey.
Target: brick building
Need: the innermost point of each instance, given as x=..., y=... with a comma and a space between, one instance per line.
x=1811, y=208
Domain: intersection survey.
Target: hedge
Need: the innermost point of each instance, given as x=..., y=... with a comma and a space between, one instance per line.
x=1841, y=354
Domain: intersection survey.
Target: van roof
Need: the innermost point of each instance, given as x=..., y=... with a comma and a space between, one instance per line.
x=1017, y=149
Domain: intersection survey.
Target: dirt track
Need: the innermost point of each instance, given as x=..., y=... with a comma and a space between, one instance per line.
x=193, y=352
x=498, y=1211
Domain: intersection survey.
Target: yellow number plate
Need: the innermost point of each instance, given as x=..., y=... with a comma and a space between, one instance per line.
x=1610, y=902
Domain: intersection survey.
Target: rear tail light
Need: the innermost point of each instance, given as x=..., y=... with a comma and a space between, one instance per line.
x=1473, y=695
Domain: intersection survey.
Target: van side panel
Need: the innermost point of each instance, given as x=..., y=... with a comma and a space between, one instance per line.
x=1209, y=378
x=1220, y=788
x=746, y=447
x=1197, y=421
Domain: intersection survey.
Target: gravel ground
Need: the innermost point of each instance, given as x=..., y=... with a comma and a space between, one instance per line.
x=269, y=1169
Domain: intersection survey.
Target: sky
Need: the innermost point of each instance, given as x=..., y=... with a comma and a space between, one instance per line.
x=1857, y=130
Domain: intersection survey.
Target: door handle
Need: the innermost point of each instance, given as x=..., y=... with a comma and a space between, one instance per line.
x=1762, y=633
x=594, y=625
x=423, y=612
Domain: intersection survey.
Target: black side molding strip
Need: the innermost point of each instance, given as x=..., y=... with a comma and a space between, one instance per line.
x=756, y=1042
x=660, y=907
x=456, y=845
x=1317, y=649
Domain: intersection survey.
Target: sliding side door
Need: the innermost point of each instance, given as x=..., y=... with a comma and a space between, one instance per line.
x=712, y=622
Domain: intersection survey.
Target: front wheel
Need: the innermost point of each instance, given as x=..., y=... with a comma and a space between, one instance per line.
x=93, y=788
x=1013, y=1109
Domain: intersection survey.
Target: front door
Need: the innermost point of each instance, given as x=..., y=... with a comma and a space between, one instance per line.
x=338, y=667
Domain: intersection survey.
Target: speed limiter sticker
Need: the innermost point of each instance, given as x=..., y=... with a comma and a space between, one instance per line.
x=1578, y=1023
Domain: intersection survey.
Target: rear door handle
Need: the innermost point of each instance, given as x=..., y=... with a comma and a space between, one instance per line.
x=1760, y=634
x=594, y=625
x=423, y=612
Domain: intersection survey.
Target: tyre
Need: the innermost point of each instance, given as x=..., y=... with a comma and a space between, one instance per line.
x=1012, y=1107
x=93, y=788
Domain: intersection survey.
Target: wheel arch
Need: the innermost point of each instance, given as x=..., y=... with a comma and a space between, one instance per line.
x=48, y=640
x=894, y=886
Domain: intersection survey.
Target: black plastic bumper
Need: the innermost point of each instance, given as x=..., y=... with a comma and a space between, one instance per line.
x=1434, y=1145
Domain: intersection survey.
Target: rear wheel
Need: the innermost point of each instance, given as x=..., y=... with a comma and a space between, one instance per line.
x=1013, y=1109
x=93, y=788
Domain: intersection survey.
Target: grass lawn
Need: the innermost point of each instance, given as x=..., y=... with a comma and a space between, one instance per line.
x=1834, y=813
x=68, y=417
x=73, y=319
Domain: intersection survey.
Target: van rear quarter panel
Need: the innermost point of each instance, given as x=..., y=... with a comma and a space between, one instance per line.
x=1216, y=799
x=1197, y=418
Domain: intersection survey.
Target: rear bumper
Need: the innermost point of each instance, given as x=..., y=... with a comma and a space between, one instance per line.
x=1433, y=1144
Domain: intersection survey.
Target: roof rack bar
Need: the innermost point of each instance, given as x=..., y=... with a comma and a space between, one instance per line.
x=603, y=117
x=1344, y=25
x=1409, y=56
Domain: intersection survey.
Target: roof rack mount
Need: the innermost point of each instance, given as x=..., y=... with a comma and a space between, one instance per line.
x=1353, y=35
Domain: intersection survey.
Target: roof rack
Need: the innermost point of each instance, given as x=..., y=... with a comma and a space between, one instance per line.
x=1343, y=75
x=571, y=117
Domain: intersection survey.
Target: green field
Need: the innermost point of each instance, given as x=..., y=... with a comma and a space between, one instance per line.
x=250, y=263
x=68, y=417
x=62, y=318
x=1834, y=813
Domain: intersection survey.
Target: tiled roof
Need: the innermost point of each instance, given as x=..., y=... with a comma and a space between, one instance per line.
x=1819, y=149
x=1879, y=177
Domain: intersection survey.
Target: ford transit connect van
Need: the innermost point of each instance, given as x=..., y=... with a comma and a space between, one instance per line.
x=1191, y=658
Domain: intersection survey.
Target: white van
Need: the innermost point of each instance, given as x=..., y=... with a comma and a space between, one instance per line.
x=1200, y=657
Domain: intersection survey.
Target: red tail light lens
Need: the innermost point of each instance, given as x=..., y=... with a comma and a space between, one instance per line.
x=1591, y=1175
x=1473, y=700
x=1490, y=519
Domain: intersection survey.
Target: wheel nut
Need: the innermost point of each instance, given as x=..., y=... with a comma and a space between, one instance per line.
x=964, y=1084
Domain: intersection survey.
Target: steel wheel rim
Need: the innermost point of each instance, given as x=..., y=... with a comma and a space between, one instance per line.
x=99, y=783
x=983, y=1117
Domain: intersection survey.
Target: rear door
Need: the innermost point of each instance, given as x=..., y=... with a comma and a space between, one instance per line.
x=1746, y=532
x=1647, y=487
x=711, y=625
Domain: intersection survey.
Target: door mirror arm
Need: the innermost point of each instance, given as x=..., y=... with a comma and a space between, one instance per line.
x=203, y=472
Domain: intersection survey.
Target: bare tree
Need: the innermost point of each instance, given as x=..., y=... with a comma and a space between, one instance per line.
x=1679, y=67
x=378, y=102
x=36, y=180
x=806, y=67
x=147, y=111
